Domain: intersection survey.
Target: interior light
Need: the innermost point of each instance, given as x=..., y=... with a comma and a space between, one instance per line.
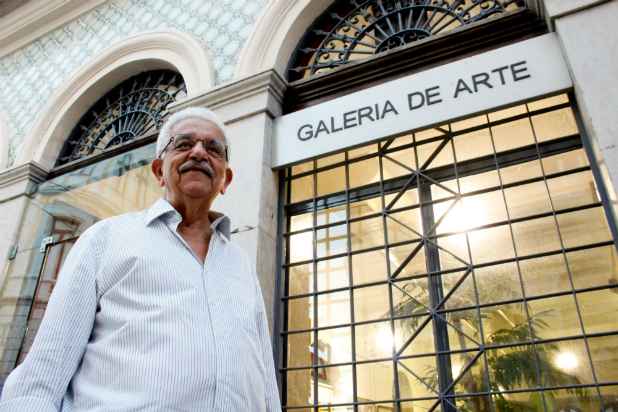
x=466, y=214
x=384, y=340
x=567, y=361
x=456, y=369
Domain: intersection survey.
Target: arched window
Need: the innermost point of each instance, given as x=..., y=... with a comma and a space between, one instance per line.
x=352, y=30
x=133, y=109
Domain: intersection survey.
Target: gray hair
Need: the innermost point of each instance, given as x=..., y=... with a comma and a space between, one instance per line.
x=188, y=113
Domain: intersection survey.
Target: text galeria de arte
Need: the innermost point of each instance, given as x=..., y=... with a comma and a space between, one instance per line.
x=476, y=83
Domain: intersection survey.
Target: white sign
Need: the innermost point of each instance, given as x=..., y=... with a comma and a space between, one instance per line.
x=511, y=74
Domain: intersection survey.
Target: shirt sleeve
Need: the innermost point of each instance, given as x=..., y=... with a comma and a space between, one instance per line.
x=41, y=381
x=273, y=402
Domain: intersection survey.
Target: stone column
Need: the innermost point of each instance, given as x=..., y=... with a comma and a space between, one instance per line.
x=19, y=272
x=586, y=29
x=248, y=107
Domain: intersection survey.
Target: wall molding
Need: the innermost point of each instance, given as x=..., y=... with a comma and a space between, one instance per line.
x=31, y=171
x=258, y=93
x=37, y=18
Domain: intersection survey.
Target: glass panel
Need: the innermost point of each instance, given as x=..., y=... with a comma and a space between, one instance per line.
x=536, y=236
x=375, y=381
x=545, y=275
x=398, y=163
x=404, y=226
x=302, y=188
x=335, y=385
x=301, y=247
x=300, y=313
x=471, y=212
x=594, y=267
x=374, y=341
x=513, y=367
x=506, y=113
x=334, y=346
x=363, y=151
x=554, y=317
x=365, y=207
x=472, y=145
x=564, y=363
x=300, y=279
x=480, y=181
x=583, y=227
x=604, y=357
x=333, y=308
x=527, y=200
x=573, y=190
x=521, y=172
x=299, y=349
x=299, y=387
x=331, y=215
x=498, y=283
x=331, y=181
x=369, y=267
x=554, y=124
x=548, y=102
x=513, y=134
x=417, y=378
x=565, y=161
x=300, y=222
x=367, y=233
x=407, y=260
x=364, y=172
x=491, y=244
x=504, y=324
x=598, y=309
x=332, y=240
x=333, y=274
x=371, y=303
x=302, y=167
x=329, y=160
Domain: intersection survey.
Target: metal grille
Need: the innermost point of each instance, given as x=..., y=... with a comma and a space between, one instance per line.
x=354, y=30
x=467, y=267
x=135, y=108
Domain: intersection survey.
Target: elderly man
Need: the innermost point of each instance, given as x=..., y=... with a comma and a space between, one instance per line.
x=156, y=310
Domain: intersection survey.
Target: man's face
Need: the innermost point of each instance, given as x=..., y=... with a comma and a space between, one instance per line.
x=193, y=172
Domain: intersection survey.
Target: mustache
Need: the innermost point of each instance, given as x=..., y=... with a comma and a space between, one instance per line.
x=202, y=166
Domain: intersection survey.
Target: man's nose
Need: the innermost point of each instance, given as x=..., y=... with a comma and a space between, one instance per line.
x=198, y=151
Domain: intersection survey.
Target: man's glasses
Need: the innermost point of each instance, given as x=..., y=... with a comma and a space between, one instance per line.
x=185, y=142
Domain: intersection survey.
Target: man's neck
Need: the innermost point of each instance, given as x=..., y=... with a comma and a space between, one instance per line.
x=194, y=213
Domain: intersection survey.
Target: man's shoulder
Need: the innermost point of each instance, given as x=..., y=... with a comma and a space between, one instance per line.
x=236, y=252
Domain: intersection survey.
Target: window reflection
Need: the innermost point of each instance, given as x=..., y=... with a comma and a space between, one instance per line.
x=496, y=267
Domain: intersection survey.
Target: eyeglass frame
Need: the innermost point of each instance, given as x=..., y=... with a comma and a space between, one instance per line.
x=172, y=138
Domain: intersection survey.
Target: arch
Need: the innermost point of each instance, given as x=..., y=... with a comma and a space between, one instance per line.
x=276, y=34
x=150, y=51
x=280, y=28
x=5, y=141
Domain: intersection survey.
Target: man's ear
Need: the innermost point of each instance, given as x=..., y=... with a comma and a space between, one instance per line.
x=229, y=175
x=157, y=170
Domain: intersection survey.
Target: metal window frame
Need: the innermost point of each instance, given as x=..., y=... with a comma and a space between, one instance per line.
x=381, y=188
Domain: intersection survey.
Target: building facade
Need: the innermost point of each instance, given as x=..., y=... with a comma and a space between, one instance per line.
x=427, y=188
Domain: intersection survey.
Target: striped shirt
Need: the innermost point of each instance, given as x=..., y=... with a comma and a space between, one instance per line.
x=136, y=322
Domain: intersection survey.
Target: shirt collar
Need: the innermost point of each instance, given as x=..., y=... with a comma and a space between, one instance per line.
x=162, y=207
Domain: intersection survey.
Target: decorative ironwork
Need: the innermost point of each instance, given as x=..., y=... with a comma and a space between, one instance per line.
x=132, y=109
x=356, y=29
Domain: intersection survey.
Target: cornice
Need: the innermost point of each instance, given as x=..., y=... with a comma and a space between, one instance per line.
x=31, y=171
x=36, y=18
x=268, y=81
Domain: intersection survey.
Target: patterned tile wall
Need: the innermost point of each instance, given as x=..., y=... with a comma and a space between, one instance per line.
x=30, y=75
